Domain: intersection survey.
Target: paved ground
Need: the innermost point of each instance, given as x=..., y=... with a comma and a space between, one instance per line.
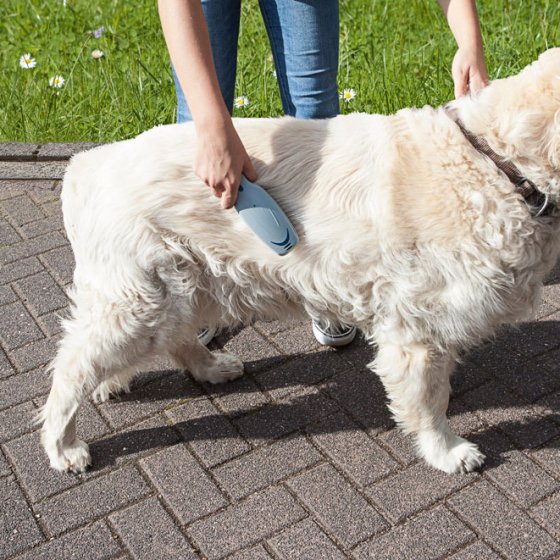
x=299, y=459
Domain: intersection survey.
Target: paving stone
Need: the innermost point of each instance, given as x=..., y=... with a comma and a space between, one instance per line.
x=359, y=353
x=92, y=499
x=286, y=416
x=5, y=469
x=22, y=210
x=16, y=421
x=94, y=542
x=32, y=247
x=18, y=327
x=7, y=295
x=501, y=523
x=238, y=397
x=463, y=419
x=254, y=553
x=149, y=532
x=400, y=444
x=32, y=169
x=351, y=449
x=301, y=371
x=6, y=369
x=41, y=227
x=19, y=269
x=467, y=376
x=414, y=489
x=337, y=505
x=265, y=466
x=272, y=328
x=305, y=541
x=63, y=150
x=53, y=209
x=246, y=523
x=165, y=390
x=183, y=484
x=547, y=513
x=17, y=150
x=41, y=293
x=8, y=235
x=34, y=355
x=22, y=387
x=532, y=338
x=51, y=323
x=476, y=551
x=209, y=434
x=299, y=339
x=18, y=529
x=7, y=190
x=60, y=263
x=431, y=534
x=549, y=457
x=42, y=195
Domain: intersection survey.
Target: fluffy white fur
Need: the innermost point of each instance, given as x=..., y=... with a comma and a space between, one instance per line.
x=405, y=231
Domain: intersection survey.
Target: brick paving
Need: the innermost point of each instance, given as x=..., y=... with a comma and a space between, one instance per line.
x=299, y=459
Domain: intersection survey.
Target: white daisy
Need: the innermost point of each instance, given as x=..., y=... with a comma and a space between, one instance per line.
x=241, y=102
x=26, y=61
x=96, y=54
x=347, y=95
x=56, y=82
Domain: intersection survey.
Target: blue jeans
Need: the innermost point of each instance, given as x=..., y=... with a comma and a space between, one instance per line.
x=303, y=35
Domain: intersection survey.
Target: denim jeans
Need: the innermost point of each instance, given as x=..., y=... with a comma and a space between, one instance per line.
x=303, y=35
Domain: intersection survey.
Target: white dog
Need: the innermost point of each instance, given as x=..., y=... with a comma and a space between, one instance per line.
x=406, y=231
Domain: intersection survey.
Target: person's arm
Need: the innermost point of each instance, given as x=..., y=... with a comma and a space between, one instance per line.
x=220, y=156
x=468, y=69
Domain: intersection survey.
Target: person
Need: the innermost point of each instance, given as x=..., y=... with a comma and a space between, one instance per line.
x=202, y=36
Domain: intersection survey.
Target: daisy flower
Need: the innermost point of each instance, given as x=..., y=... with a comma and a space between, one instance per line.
x=98, y=32
x=241, y=102
x=347, y=95
x=26, y=61
x=96, y=54
x=56, y=82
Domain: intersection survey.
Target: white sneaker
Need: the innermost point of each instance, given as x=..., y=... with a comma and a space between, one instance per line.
x=334, y=337
x=205, y=336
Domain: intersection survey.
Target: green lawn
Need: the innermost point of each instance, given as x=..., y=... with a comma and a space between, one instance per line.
x=394, y=53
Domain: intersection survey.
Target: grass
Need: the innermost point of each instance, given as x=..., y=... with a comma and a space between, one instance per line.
x=394, y=53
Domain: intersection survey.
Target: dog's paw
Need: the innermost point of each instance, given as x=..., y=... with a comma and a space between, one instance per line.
x=460, y=457
x=72, y=458
x=224, y=367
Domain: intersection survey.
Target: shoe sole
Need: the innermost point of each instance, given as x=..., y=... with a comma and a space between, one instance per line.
x=334, y=341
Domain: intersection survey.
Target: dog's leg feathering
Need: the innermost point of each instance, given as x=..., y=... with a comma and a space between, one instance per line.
x=417, y=382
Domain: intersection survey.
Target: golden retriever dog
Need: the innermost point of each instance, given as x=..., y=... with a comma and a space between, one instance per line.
x=406, y=230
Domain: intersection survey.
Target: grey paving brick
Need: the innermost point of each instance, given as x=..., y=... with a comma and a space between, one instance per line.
x=467, y=376
x=6, y=368
x=337, y=505
x=63, y=150
x=184, y=485
x=34, y=355
x=22, y=387
x=18, y=529
x=17, y=150
x=32, y=247
x=92, y=499
x=362, y=395
x=300, y=371
x=500, y=522
x=5, y=469
x=52, y=208
x=41, y=227
x=359, y=353
x=265, y=466
x=254, y=553
x=60, y=263
x=245, y=523
x=549, y=457
x=149, y=532
x=16, y=421
x=51, y=323
x=532, y=338
x=299, y=339
x=463, y=418
x=431, y=534
x=18, y=327
x=41, y=293
x=43, y=195
x=522, y=479
x=285, y=416
x=475, y=551
x=8, y=235
x=414, y=489
x=22, y=210
x=7, y=295
x=547, y=513
x=165, y=390
x=238, y=397
x=32, y=169
x=305, y=541
x=94, y=542
x=210, y=435
x=19, y=269
x=351, y=449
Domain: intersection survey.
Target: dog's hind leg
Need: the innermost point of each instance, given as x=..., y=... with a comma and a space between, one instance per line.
x=213, y=367
x=117, y=383
x=416, y=379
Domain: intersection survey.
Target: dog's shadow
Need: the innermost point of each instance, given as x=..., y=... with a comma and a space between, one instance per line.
x=510, y=385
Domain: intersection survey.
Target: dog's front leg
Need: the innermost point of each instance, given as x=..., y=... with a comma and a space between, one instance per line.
x=416, y=379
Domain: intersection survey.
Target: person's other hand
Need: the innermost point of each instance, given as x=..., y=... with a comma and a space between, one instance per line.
x=220, y=160
x=468, y=71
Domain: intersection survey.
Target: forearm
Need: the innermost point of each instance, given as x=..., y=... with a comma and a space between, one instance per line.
x=463, y=21
x=188, y=42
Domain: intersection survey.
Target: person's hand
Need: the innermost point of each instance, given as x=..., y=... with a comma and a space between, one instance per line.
x=221, y=159
x=469, y=72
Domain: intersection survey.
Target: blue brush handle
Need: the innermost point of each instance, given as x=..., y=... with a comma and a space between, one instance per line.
x=263, y=215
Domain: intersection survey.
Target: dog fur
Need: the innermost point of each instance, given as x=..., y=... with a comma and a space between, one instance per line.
x=405, y=231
